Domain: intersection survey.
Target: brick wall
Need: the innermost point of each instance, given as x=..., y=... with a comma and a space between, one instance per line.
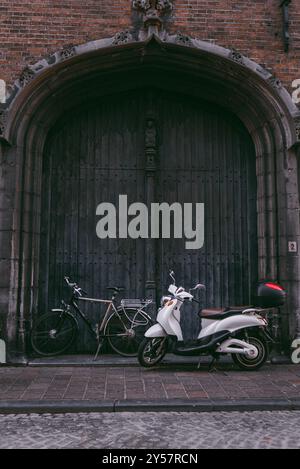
x=30, y=30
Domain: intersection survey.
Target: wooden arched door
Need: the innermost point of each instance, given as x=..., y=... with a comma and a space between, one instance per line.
x=196, y=153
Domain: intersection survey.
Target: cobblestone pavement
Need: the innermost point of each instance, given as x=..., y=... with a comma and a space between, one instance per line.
x=152, y=430
x=134, y=383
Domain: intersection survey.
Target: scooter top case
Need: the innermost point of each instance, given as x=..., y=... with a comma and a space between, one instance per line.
x=268, y=295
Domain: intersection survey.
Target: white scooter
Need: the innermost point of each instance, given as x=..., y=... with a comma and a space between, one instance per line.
x=241, y=332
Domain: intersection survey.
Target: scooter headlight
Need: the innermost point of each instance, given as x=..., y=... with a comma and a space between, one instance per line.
x=169, y=303
x=164, y=300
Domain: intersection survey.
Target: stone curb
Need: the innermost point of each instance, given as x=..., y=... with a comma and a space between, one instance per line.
x=174, y=405
x=55, y=407
x=117, y=362
x=207, y=405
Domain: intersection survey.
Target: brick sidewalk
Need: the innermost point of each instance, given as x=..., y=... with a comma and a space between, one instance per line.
x=163, y=384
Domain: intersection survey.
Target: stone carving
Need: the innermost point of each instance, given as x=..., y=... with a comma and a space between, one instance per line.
x=122, y=38
x=236, y=56
x=151, y=7
x=29, y=72
x=26, y=76
x=38, y=67
x=67, y=52
x=165, y=5
x=152, y=11
x=12, y=92
x=275, y=82
x=262, y=71
x=141, y=5
x=183, y=40
x=150, y=134
x=151, y=143
x=51, y=59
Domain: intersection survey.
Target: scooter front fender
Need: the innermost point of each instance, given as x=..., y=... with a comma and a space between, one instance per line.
x=155, y=331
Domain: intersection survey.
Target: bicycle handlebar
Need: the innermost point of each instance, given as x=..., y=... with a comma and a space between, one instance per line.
x=75, y=287
x=80, y=291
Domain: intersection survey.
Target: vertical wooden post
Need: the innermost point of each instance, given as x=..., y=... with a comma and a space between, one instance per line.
x=151, y=153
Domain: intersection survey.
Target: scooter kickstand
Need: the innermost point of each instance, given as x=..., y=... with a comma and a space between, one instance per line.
x=213, y=365
x=199, y=364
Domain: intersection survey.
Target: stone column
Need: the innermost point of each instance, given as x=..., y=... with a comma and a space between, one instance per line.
x=10, y=164
x=289, y=232
x=295, y=214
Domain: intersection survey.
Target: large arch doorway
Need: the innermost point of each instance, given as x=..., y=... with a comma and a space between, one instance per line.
x=204, y=154
x=69, y=80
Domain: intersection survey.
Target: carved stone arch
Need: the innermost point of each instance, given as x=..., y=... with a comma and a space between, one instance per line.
x=46, y=76
x=70, y=76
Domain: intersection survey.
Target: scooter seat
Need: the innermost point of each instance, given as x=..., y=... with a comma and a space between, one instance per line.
x=221, y=313
x=211, y=312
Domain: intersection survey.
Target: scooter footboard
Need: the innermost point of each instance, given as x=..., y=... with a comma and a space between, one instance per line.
x=155, y=331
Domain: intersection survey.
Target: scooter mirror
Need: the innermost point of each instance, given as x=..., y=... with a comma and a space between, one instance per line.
x=172, y=289
x=172, y=275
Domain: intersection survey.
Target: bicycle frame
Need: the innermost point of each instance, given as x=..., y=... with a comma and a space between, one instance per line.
x=73, y=303
x=98, y=331
x=96, y=300
x=111, y=307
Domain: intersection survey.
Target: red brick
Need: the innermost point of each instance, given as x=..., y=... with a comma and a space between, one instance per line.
x=30, y=30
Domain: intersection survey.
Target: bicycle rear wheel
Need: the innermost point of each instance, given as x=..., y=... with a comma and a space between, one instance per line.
x=125, y=335
x=53, y=333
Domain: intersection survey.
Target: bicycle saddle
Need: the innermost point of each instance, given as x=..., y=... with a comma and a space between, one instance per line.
x=116, y=289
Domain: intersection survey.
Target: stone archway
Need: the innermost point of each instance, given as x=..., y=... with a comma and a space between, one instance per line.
x=73, y=75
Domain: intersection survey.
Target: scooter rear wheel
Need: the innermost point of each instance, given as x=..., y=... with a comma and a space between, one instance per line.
x=251, y=364
x=152, y=351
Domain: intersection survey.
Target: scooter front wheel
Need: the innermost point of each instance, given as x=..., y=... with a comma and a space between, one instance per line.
x=247, y=363
x=152, y=351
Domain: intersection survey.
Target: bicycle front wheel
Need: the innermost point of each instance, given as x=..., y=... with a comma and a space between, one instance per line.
x=125, y=333
x=53, y=333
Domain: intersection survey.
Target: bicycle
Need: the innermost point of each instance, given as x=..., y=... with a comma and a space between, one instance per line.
x=122, y=326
